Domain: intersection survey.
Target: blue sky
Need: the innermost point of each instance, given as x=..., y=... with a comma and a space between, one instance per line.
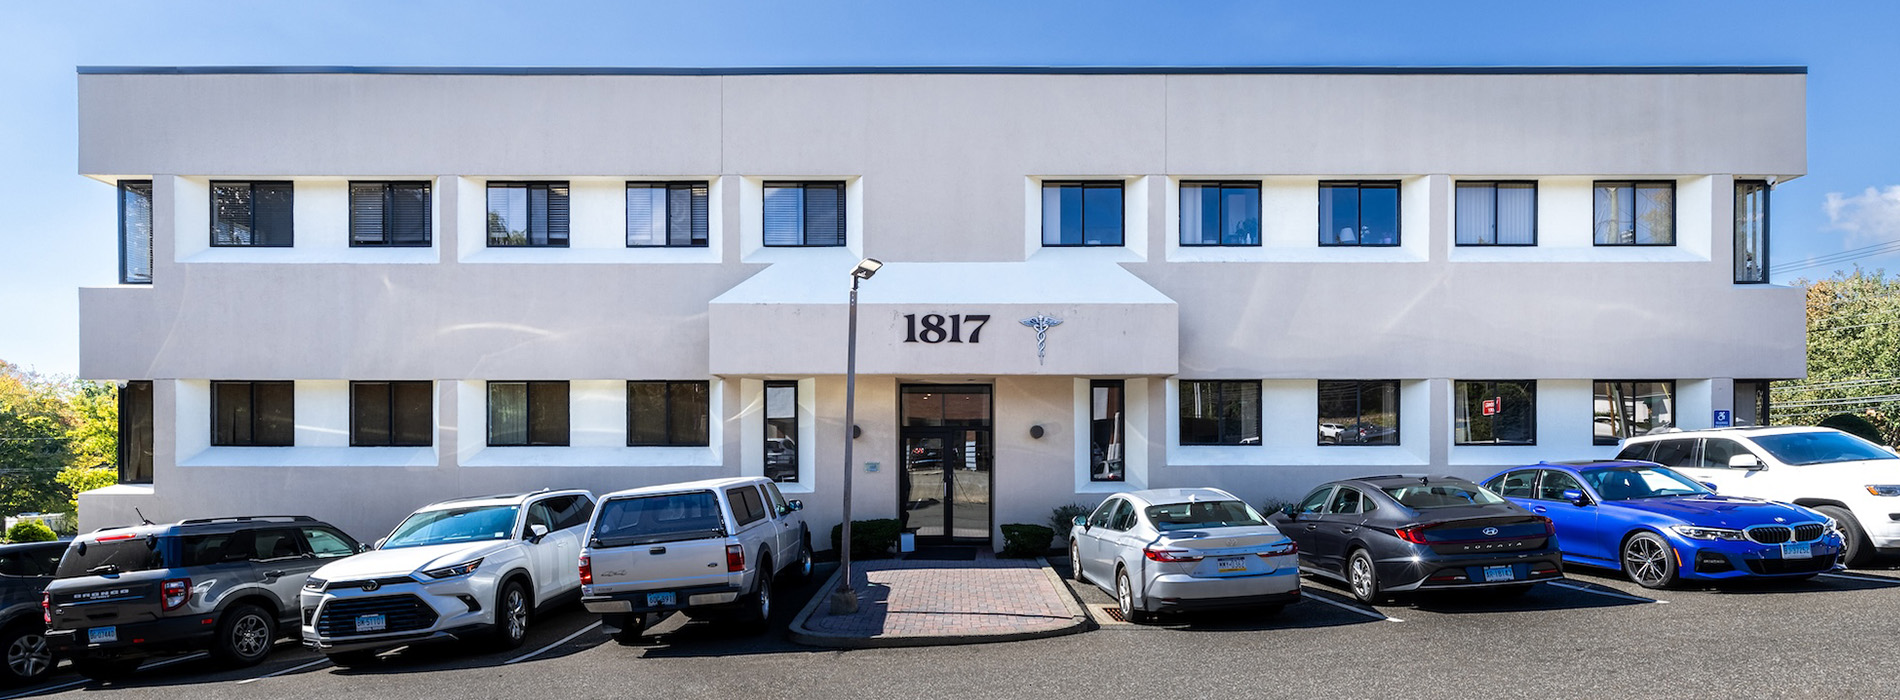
x=58, y=232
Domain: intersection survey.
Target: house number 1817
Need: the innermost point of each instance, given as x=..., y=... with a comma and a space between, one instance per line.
x=931, y=328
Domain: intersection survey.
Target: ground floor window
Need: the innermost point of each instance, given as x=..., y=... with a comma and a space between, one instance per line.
x=392, y=414
x=1495, y=412
x=1107, y=428
x=1628, y=409
x=527, y=413
x=673, y=414
x=1359, y=412
x=253, y=414
x=135, y=433
x=1220, y=413
x=781, y=432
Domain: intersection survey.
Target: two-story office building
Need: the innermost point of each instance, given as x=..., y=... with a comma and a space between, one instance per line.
x=349, y=292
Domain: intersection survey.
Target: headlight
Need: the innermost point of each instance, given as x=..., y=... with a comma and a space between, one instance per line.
x=1884, y=489
x=462, y=569
x=1709, y=533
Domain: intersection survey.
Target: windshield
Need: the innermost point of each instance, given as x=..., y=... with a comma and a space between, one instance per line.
x=1625, y=483
x=1819, y=448
x=1441, y=494
x=454, y=525
x=664, y=518
x=1176, y=516
x=113, y=557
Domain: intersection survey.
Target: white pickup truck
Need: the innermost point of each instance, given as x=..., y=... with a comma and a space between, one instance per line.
x=711, y=548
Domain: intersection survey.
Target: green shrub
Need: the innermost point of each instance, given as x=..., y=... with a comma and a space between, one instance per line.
x=30, y=531
x=1024, y=541
x=1063, y=517
x=870, y=539
x=1854, y=425
x=1270, y=506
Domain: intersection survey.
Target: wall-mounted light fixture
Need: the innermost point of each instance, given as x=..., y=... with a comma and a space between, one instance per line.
x=856, y=432
x=1035, y=431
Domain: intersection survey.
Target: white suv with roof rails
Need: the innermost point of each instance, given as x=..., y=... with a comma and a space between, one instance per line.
x=1848, y=479
x=469, y=568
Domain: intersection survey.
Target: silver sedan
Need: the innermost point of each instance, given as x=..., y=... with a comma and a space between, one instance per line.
x=1184, y=549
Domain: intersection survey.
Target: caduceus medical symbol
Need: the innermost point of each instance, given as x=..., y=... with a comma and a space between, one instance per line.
x=1042, y=323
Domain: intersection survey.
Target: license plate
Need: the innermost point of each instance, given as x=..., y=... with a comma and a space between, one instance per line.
x=102, y=635
x=1498, y=573
x=1231, y=564
x=659, y=600
x=1797, y=551
x=371, y=623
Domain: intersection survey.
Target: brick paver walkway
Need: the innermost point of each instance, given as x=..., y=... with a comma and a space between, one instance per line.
x=947, y=599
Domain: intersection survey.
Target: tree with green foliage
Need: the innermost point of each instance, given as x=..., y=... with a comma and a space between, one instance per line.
x=1853, y=355
x=30, y=531
x=34, y=445
x=93, y=441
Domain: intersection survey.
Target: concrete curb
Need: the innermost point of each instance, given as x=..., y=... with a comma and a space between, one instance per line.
x=1079, y=622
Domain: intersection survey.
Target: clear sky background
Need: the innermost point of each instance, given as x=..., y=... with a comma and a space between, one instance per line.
x=57, y=231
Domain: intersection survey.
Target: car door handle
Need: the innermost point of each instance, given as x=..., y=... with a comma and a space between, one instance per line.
x=1312, y=527
x=273, y=574
x=1347, y=530
x=1540, y=509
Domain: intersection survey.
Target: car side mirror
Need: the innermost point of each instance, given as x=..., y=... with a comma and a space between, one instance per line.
x=795, y=504
x=1709, y=485
x=1749, y=462
x=1081, y=521
x=1576, y=498
x=379, y=543
x=538, y=531
x=1289, y=511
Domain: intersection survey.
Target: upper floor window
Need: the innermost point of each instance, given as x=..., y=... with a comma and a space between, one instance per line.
x=1220, y=213
x=392, y=414
x=1359, y=213
x=1628, y=409
x=256, y=214
x=1220, y=412
x=1107, y=431
x=1751, y=232
x=667, y=413
x=804, y=214
x=667, y=214
x=1636, y=213
x=1495, y=412
x=1497, y=213
x=527, y=214
x=1082, y=213
x=253, y=414
x=1359, y=412
x=135, y=433
x=389, y=214
x=527, y=413
x=135, y=231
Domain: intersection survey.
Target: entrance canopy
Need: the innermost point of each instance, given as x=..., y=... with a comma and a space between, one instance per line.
x=970, y=319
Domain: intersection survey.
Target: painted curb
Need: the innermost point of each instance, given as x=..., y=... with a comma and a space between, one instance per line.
x=1078, y=623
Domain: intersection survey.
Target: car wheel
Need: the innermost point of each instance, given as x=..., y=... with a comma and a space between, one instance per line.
x=106, y=669
x=512, y=615
x=1856, y=550
x=353, y=659
x=245, y=636
x=1075, y=562
x=1125, y=597
x=1363, y=577
x=758, y=606
x=29, y=658
x=1648, y=561
x=801, y=569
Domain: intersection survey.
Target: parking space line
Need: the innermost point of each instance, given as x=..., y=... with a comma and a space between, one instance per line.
x=1612, y=594
x=564, y=640
x=275, y=674
x=1852, y=577
x=1374, y=614
x=75, y=684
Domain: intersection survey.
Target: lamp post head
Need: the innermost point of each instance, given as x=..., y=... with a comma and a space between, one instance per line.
x=866, y=268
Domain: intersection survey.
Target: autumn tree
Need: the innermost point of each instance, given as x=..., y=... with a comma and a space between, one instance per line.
x=1853, y=355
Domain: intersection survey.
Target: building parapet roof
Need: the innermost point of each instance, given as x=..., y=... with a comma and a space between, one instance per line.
x=944, y=70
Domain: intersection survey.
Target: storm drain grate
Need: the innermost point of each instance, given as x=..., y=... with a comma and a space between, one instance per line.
x=1114, y=612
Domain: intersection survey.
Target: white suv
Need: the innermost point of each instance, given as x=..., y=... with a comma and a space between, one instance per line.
x=470, y=568
x=711, y=548
x=1853, y=481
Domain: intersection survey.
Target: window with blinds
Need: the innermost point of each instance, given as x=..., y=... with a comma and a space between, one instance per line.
x=135, y=232
x=1359, y=213
x=804, y=214
x=1497, y=213
x=254, y=214
x=389, y=214
x=1751, y=232
x=527, y=214
x=527, y=413
x=667, y=214
x=392, y=414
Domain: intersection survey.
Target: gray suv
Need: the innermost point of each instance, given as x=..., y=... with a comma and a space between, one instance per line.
x=25, y=569
x=224, y=585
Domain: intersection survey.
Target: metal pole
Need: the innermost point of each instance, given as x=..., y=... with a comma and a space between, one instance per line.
x=844, y=600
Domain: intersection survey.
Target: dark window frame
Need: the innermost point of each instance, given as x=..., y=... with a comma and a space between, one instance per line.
x=1220, y=440
x=699, y=216
x=1675, y=212
x=528, y=440
x=389, y=212
x=488, y=191
x=1359, y=403
x=142, y=441
x=1086, y=185
x=1181, y=225
x=666, y=413
x=798, y=464
x=1611, y=442
x=1494, y=184
x=391, y=429
x=1121, y=428
x=251, y=387
x=1458, y=397
x=1398, y=211
x=804, y=223
x=1767, y=207
x=124, y=186
x=290, y=237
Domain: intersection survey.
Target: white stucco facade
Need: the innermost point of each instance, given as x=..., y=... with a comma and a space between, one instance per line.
x=942, y=175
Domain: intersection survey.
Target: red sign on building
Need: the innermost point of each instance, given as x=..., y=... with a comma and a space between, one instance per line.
x=1491, y=406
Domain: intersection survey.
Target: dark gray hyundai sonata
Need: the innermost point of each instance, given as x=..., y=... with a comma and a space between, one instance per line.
x=1390, y=534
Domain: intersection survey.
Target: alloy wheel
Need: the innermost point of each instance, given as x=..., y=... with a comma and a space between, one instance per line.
x=517, y=613
x=1124, y=596
x=1361, y=575
x=1643, y=559
x=29, y=656
x=250, y=636
x=1075, y=563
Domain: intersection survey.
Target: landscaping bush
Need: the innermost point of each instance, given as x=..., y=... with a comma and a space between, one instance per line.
x=1854, y=425
x=1024, y=541
x=1270, y=506
x=1063, y=517
x=870, y=539
x=30, y=531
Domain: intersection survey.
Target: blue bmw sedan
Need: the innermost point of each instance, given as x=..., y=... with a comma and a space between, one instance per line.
x=1659, y=527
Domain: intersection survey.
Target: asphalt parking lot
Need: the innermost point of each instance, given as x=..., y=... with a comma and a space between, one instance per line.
x=1593, y=635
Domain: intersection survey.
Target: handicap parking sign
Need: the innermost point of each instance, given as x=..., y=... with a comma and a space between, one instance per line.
x=1722, y=419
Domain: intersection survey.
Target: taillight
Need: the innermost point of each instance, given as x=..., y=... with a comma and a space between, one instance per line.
x=1169, y=555
x=587, y=571
x=1414, y=534
x=46, y=607
x=1550, y=528
x=1290, y=547
x=735, y=558
x=173, y=593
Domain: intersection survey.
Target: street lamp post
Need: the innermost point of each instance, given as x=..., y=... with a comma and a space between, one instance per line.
x=844, y=600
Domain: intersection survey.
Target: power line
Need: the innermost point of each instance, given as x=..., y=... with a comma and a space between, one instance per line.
x=1843, y=256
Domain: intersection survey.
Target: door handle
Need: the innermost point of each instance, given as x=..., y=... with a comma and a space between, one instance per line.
x=1347, y=530
x=1540, y=509
x=1312, y=527
x=273, y=574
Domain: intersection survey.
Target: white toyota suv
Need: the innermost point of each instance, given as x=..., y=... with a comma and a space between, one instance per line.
x=1846, y=478
x=711, y=548
x=469, y=568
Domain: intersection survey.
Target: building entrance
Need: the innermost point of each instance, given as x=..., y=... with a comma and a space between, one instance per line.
x=945, y=452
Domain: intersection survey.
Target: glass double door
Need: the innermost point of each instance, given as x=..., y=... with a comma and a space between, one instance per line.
x=946, y=487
